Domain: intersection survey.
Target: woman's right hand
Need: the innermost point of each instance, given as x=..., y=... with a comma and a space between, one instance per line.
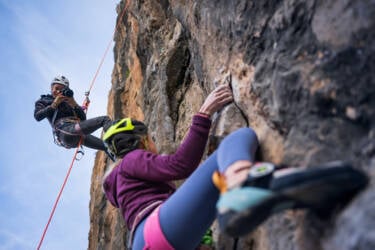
x=59, y=99
x=219, y=97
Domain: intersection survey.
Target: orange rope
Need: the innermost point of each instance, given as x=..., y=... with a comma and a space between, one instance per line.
x=80, y=142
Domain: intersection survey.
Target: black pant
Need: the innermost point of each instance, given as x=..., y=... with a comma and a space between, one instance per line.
x=70, y=132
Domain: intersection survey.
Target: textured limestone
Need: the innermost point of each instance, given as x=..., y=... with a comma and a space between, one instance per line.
x=302, y=74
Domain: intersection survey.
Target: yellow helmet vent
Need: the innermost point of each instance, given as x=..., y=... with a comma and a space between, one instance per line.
x=121, y=126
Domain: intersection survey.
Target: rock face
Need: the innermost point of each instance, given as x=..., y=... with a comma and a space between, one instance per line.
x=303, y=76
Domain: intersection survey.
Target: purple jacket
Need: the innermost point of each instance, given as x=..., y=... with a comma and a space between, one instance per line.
x=143, y=177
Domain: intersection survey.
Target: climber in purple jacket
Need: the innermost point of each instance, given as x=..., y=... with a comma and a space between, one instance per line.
x=228, y=183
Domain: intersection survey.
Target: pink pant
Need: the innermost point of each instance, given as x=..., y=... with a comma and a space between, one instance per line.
x=153, y=235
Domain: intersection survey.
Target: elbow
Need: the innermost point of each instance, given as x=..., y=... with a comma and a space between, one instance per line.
x=185, y=170
x=38, y=117
x=185, y=174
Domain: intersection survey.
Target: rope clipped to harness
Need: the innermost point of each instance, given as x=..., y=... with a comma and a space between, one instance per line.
x=80, y=153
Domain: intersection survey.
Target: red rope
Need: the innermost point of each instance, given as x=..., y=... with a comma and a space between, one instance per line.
x=59, y=195
x=80, y=142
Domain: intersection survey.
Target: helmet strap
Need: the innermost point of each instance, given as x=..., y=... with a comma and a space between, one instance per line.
x=113, y=148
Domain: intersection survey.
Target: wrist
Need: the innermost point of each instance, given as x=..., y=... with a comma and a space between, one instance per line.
x=53, y=105
x=203, y=114
x=204, y=110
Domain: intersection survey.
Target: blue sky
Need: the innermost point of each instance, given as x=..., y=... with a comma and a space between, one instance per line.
x=40, y=39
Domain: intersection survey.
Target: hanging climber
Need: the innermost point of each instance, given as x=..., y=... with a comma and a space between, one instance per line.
x=67, y=118
x=228, y=183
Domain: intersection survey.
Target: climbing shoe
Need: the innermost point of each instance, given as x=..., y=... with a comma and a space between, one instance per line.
x=266, y=191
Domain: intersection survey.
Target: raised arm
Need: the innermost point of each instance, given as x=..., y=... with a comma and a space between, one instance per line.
x=153, y=167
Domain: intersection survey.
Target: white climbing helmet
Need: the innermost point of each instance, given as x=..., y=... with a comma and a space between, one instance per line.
x=60, y=80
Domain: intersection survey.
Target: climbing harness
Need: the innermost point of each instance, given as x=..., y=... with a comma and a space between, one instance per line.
x=78, y=150
x=57, y=131
x=137, y=220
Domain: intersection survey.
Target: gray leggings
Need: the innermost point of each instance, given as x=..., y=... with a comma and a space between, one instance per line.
x=70, y=133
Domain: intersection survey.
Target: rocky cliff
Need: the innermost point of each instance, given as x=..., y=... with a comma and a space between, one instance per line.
x=303, y=76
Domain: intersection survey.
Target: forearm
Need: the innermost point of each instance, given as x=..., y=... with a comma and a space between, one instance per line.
x=191, y=150
x=153, y=167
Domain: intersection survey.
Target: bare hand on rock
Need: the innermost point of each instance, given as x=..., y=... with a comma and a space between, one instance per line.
x=217, y=99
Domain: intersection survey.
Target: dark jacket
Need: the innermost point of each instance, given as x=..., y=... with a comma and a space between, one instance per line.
x=43, y=110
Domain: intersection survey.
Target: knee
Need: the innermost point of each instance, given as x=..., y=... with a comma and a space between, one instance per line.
x=246, y=133
x=242, y=135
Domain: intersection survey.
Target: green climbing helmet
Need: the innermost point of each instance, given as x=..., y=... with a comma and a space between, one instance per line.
x=124, y=135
